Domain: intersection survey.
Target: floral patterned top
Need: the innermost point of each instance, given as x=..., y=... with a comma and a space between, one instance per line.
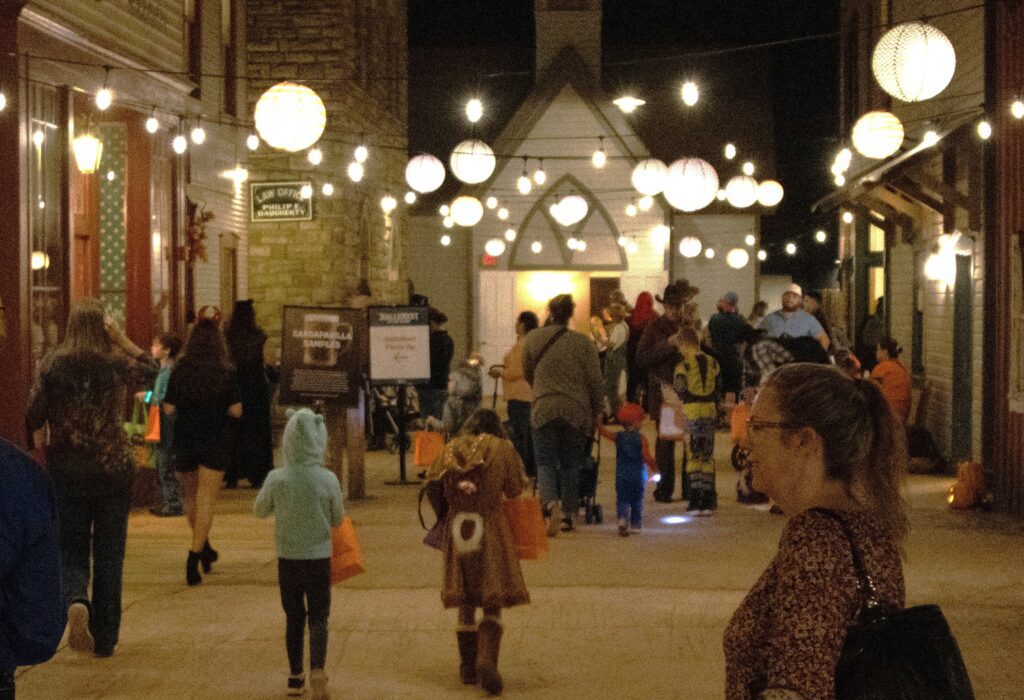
x=83, y=395
x=785, y=639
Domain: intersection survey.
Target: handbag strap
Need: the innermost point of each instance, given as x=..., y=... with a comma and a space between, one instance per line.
x=547, y=346
x=870, y=600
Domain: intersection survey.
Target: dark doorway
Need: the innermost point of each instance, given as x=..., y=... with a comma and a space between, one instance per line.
x=601, y=289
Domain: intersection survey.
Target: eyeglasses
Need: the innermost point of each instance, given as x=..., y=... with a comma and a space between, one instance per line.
x=754, y=425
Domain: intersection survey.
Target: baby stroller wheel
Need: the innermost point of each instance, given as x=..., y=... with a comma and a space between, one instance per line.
x=598, y=514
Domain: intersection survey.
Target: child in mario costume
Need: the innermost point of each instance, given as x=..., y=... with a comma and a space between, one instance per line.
x=631, y=455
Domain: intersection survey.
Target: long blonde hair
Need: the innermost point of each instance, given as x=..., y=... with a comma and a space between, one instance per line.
x=864, y=446
x=86, y=330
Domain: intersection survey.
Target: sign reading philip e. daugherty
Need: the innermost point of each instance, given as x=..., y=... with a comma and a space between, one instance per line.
x=399, y=345
x=279, y=201
x=322, y=355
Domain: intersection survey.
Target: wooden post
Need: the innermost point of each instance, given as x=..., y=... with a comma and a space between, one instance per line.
x=355, y=444
x=335, y=442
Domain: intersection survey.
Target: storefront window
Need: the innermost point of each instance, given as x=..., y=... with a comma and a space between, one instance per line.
x=45, y=213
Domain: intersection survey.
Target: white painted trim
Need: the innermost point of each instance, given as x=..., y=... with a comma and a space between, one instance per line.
x=68, y=36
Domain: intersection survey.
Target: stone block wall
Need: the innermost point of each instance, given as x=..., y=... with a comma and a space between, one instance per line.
x=353, y=53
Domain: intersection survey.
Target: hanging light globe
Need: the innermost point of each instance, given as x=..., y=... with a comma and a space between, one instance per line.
x=913, y=61
x=424, y=173
x=737, y=258
x=690, y=247
x=661, y=235
x=691, y=184
x=649, y=176
x=290, y=116
x=536, y=247
x=494, y=247
x=472, y=161
x=467, y=211
x=355, y=171
x=524, y=184
x=877, y=134
x=570, y=210
x=769, y=193
x=741, y=191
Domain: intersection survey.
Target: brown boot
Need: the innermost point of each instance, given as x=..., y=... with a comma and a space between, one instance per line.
x=487, y=660
x=468, y=641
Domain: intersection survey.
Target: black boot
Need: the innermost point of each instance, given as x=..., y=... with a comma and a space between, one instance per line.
x=468, y=641
x=208, y=556
x=192, y=576
x=487, y=659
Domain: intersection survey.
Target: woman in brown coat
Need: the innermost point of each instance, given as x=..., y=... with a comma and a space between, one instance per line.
x=481, y=568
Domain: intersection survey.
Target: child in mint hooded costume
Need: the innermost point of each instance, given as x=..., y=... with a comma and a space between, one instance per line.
x=306, y=500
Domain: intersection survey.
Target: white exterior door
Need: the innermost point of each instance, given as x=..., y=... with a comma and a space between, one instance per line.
x=496, y=319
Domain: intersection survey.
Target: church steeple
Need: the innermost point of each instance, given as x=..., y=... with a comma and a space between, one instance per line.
x=575, y=23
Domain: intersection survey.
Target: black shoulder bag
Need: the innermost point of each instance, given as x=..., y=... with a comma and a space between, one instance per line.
x=893, y=654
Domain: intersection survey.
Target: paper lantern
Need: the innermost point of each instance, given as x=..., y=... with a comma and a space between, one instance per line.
x=425, y=173
x=690, y=184
x=290, y=116
x=570, y=210
x=877, y=134
x=472, y=161
x=446, y=240
x=690, y=247
x=467, y=211
x=769, y=193
x=913, y=61
x=536, y=247
x=661, y=235
x=494, y=247
x=741, y=191
x=737, y=258
x=649, y=176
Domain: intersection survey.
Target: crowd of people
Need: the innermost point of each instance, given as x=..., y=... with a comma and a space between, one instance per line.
x=670, y=367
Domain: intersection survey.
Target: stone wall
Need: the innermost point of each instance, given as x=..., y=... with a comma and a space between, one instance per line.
x=354, y=54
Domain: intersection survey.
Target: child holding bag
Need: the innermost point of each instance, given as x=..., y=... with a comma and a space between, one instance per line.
x=306, y=500
x=164, y=350
x=481, y=568
x=632, y=453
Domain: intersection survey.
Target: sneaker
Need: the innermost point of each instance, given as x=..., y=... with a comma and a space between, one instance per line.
x=296, y=685
x=318, y=684
x=554, y=518
x=636, y=529
x=79, y=636
x=623, y=528
x=704, y=512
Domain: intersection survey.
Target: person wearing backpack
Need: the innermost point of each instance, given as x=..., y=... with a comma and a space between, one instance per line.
x=817, y=439
x=695, y=382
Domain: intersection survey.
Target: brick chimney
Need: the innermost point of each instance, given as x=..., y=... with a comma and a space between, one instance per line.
x=575, y=23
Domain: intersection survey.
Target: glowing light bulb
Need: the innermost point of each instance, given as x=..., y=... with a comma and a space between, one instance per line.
x=632, y=248
x=446, y=240
x=930, y=138
x=721, y=196
x=111, y=176
x=524, y=184
x=104, y=98
x=306, y=192
x=179, y=144
x=491, y=202
x=3, y=101
x=984, y=130
x=581, y=245
x=388, y=203
x=709, y=253
x=355, y=171
x=631, y=210
x=315, y=156
x=645, y=203
x=1016, y=109
x=38, y=137
x=152, y=125
x=628, y=103
x=748, y=168
x=840, y=180
x=690, y=93
x=448, y=222
x=791, y=249
x=327, y=189
x=762, y=255
x=361, y=154
x=600, y=158
x=571, y=243
x=750, y=240
x=510, y=235
x=730, y=151
x=410, y=197
x=503, y=213
x=623, y=241
x=536, y=247
x=252, y=141
x=820, y=236
x=198, y=135
x=847, y=217
x=539, y=176
x=474, y=110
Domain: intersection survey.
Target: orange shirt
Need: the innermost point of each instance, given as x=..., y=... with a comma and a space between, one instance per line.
x=895, y=382
x=516, y=387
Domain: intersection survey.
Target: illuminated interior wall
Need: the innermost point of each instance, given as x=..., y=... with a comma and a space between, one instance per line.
x=533, y=290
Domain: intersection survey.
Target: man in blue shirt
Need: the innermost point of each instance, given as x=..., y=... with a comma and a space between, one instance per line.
x=32, y=612
x=792, y=321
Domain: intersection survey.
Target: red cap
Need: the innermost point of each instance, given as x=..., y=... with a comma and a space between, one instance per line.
x=630, y=413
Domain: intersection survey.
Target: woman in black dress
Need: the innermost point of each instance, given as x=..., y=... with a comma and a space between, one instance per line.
x=252, y=451
x=202, y=394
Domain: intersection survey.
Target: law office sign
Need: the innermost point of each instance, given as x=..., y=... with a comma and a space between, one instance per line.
x=279, y=201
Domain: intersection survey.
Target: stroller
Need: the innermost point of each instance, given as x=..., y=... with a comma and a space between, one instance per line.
x=593, y=512
x=382, y=418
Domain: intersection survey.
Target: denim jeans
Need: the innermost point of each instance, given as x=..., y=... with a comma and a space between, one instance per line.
x=432, y=402
x=561, y=453
x=95, y=520
x=167, y=480
x=522, y=434
x=305, y=582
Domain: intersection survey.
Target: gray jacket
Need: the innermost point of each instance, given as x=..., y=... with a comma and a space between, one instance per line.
x=567, y=383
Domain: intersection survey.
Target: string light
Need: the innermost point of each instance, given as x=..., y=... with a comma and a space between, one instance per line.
x=730, y=151
x=847, y=217
x=709, y=253
x=361, y=154
x=600, y=157
x=524, y=184
x=448, y=222
x=198, y=135
x=446, y=240
x=690, y=93
x=104, y=98
x=840, y=180
x=762, y=255
x=510, y=235
x=750, y=240
x=410, y=197
x=628, y=103
x=632, y=248
x=930, y=138
x=444, y=210
x=3, y=101
x=645, y=203
x=536, y=247
x=631, y=210
x=791, y=249
x=748, y=168
x=327, y=189
x=355, y=171
x=179, y=144
x=315, y=156
x=1016, y=109
x=152, y=124
x=623, y=241
x=306, y=192
x=984, y=130
x=503, y=213
x=474, y=110
x=820, y=236
x=38, y=137
x=388, y=203
x=252, y=141
x=491, y=202
x=539, y=176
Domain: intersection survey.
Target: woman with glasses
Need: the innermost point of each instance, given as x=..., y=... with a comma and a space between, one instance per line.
x=823, y=446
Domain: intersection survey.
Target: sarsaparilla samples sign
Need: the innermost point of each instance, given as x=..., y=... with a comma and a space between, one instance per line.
x=399, y=344
x=323, y=352
x=279, y=201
